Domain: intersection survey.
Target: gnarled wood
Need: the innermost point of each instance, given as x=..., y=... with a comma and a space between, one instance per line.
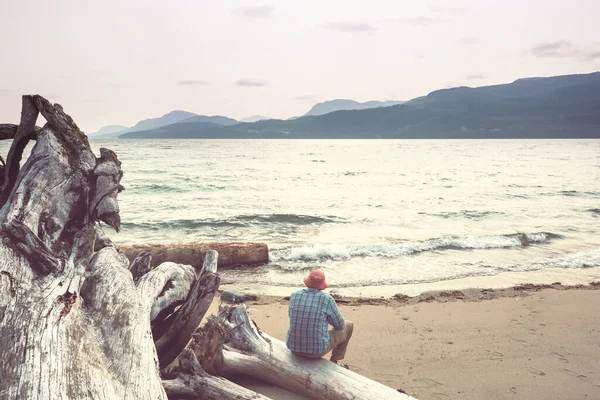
x=140, y=265
x=73, y=326
x=187, y=318
x=8, y=131
x=247, y=350
x=23, y=135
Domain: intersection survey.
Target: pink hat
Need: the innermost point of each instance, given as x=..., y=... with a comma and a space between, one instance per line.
x=316, y=279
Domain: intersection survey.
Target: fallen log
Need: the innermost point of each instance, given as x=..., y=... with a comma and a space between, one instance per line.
x=232, y=345
x=192, y=382
x=232, y=254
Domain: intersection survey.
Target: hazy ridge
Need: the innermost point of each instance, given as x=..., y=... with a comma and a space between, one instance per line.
x=556, y=107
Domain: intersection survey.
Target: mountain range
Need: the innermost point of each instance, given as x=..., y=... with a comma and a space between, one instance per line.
x=555, y=107
x=178, y=116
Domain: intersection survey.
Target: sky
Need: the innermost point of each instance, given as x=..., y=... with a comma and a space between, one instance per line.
x=117, y=62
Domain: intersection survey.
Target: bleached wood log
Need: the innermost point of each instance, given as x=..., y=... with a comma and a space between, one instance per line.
x=192, y=382
x=168, y=284
x=246, y=350
x=187, y=318
x=231, y=254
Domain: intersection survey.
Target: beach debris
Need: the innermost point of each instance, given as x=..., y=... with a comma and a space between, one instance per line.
x=402, y=298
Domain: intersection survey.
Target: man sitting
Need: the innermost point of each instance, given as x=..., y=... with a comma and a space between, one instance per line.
x=310, y=311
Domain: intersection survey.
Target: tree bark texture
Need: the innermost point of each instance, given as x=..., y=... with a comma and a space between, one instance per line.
x=73, y=324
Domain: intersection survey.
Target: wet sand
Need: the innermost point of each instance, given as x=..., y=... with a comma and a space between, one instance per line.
x=526, y=342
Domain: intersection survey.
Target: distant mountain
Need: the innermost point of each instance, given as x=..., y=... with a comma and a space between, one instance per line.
x=344, y=104
x=174, y=117
x=254, y=118
x=179, y=131
x=170, y=118
x=557, y=107
x=215, y=119
x=109, y=129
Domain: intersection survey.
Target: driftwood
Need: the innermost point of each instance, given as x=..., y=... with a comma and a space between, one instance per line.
x=231, y=254
x=192, y=382
x=74, y=323
x=187, y=318
x=232, y=344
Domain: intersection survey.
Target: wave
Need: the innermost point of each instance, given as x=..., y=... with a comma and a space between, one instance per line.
x=287, y=273
x=474, y=215
x=159, y=188
x=295, y=219
x=395, y=250
x=573, y=193
x=236, y=221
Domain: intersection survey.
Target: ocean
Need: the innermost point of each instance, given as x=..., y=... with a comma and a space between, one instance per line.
x=369, y=212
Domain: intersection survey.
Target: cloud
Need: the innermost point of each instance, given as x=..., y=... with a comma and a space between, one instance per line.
x=264, y=11
x=563, y=49
x=474, y=77
x=192, y=82
x=560, y=48
x=251, y=83
x=351, y=26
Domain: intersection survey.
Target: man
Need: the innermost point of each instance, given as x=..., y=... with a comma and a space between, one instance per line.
x=311, y=311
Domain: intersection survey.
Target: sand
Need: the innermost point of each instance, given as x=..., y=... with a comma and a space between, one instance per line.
x=528, y=342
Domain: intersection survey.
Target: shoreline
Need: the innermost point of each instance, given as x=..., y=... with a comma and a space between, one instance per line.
x=566, y=277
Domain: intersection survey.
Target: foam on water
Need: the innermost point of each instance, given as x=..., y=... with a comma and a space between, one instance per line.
x=394, y=250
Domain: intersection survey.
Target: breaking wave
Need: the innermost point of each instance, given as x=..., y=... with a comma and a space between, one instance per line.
x=394, y=250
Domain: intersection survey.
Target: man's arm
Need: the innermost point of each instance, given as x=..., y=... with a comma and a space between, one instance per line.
x=334, y=317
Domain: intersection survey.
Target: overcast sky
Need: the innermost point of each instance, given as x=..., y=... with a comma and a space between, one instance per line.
x=116, y=62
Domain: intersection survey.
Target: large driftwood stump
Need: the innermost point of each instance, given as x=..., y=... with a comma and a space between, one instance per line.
x=74, y=323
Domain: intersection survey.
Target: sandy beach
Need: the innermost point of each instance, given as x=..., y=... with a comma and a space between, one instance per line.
x=525, y=342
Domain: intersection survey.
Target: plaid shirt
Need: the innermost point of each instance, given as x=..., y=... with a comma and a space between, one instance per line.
x=310, y=311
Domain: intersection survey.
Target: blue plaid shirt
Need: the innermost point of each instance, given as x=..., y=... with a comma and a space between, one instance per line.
x=310, y=312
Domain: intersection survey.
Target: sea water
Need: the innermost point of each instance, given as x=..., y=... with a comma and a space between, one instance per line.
x=369, y=212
